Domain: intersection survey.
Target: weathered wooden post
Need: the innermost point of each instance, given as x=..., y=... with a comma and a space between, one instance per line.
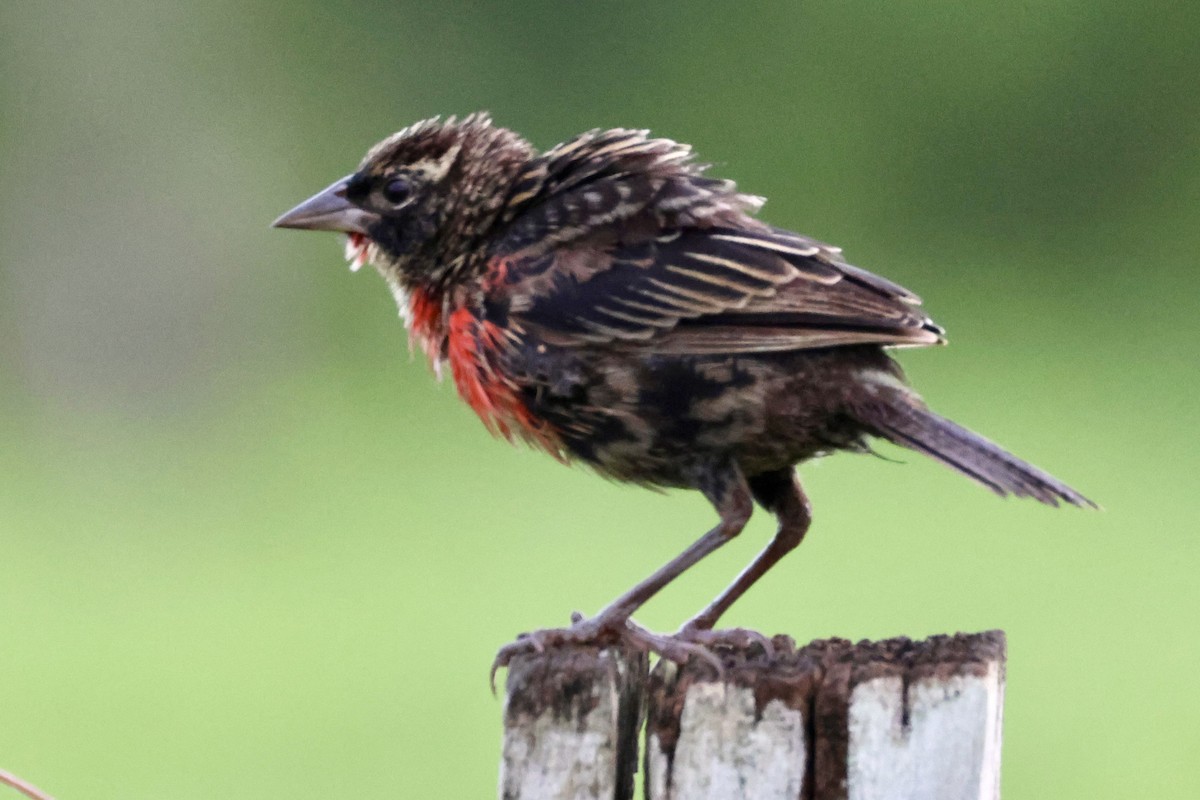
x=831, y=720
x=868, y=721
x=572, y=717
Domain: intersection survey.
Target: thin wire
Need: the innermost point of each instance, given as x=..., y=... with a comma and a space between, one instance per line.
x=24, y=787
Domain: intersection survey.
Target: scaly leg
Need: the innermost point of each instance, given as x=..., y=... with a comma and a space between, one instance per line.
x=728, y=491
x=780, y=493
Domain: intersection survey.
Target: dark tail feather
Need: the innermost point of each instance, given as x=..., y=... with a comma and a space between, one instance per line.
x=909, y=424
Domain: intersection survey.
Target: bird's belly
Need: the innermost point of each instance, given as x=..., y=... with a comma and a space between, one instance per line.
x=655, y=419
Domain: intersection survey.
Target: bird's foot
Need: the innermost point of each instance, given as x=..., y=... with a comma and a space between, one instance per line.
x=735, y=638
x=604, y=631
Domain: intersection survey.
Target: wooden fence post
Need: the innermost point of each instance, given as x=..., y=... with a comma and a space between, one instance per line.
x=572, y=717
x=747, y=734
x=833, y=720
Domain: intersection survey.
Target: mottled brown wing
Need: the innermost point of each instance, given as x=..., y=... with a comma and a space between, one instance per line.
x=707, y=290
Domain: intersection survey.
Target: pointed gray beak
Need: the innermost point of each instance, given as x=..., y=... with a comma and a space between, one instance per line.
x=327, y=210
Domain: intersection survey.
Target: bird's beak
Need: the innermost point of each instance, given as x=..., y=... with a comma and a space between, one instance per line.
x=327, y=210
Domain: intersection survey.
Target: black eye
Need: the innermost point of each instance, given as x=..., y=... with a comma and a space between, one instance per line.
x=396, y=191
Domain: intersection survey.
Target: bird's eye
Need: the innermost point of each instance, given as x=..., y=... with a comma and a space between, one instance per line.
x=396, y=191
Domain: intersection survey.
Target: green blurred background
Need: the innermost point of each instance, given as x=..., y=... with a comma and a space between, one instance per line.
x=250, y=548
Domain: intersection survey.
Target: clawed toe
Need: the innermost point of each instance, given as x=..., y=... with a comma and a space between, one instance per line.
x=672, y=648
x=690, y=642
x=597, y=631
x=737, y=638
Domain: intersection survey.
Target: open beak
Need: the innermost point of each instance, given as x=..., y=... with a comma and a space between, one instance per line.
x=327, y=210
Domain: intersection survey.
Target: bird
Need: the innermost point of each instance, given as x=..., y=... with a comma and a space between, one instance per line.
x=609, y=302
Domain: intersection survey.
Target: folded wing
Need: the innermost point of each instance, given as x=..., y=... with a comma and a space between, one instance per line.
x=708, y=290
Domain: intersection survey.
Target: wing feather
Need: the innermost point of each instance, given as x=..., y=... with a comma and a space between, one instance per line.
x=713, y=290
x=620, y=239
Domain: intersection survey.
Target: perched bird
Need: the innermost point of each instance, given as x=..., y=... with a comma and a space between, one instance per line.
x=609, y=303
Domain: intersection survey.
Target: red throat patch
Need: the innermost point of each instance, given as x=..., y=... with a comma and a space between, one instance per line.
x=472, y=346
x=425, y=323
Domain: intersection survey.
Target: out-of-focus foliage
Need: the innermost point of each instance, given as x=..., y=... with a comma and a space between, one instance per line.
x=249, y=549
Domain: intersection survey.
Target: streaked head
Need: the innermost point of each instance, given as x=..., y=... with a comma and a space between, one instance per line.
x=408, y=206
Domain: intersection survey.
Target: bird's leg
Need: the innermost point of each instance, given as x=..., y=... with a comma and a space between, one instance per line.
x=728, y=491
x=780, y=493
x=730, y=494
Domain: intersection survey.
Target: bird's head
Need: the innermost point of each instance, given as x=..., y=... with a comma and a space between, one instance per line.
x=420, y=199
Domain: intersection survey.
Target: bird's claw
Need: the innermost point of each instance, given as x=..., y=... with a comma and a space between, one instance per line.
x=736, y=638
x=596, y=631
x=673, y=648
x=602, y=632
